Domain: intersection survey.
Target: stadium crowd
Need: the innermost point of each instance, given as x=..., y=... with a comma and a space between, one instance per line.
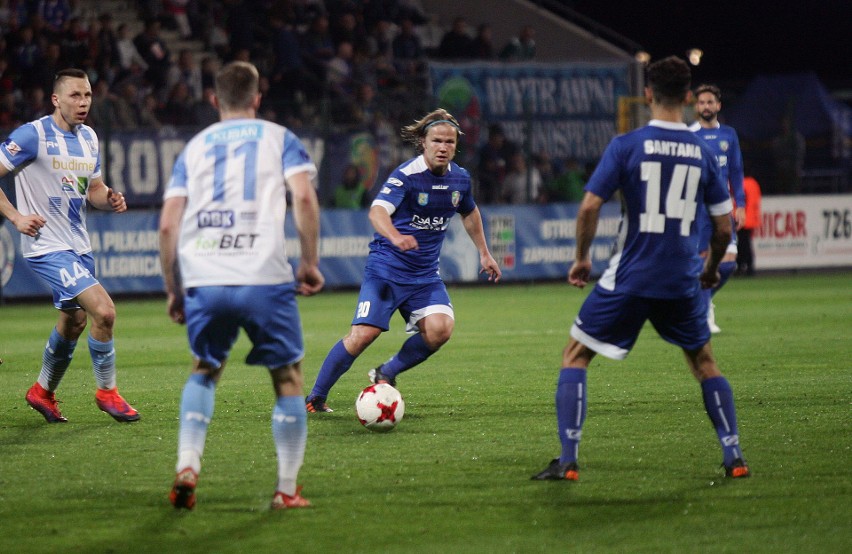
x=328, y=64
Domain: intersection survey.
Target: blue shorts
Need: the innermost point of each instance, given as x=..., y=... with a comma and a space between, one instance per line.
x=609, y=322
x=379, y=299
x=67, y=273
x=268, y=313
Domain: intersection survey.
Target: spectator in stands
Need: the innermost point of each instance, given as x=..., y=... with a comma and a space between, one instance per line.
x=379, y=41
x=126, y=49
x=522, y=184
x=35, y=104
x=457, y=43
x=155, y=52
x=55, y=14
x=520, y=48
x=339, y=70
x=209, y=68
x=102, y=113
x=408, y=55
x=74, y=43
x=148, y=118
x=204, y=112
x=483, y=44
x=127, y=107
x=106, y=56
x=351, y=193
x=188, y=71
x=317, y=47
x=745, y=246
x=177, y=11
x=177, y=110
x=494, y=157
x=27, y=55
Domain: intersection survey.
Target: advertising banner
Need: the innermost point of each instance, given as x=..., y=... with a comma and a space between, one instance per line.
x=562, y=110
x=529, y=242
x=804, y=231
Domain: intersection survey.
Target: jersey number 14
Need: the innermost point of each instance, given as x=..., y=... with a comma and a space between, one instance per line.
x=680, y=197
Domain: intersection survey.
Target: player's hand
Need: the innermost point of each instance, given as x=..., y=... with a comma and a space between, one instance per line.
x=709, y=280
x=405, y=242
x=580, y=273
x=310, y=280
x=29, y=224
x=739, y=218
x=174, y=307
x=116, y=201
x=489, y=266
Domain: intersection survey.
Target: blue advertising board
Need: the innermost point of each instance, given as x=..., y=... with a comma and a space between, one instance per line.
x=529, y=243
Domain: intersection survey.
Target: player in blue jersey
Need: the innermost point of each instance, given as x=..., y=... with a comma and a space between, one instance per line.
x=725, y=144
x=411, y=214
x=56, y=163
x=225, y=267
x=666, y=175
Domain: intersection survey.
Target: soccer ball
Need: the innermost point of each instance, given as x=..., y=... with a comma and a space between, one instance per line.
x=380, y=407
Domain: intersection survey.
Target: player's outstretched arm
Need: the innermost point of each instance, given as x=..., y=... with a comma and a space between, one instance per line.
x=473, y=225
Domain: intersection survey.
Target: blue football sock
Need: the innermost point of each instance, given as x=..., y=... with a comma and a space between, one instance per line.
x=414, y=351
x=55, y=360
x=290, y=433
x=103, y=362
x=726, y=269
x=719, y=403
x=196, y=411
x=336, y=363
x=570, y=411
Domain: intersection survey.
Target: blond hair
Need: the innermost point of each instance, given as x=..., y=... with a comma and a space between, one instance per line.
x=413, y=134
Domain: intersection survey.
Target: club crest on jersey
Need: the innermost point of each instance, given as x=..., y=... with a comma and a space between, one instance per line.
x=68, y=183
x=723, y=144
x=455, y=197
x=423, y=198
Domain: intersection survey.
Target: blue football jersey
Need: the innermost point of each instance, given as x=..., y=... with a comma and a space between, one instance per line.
x=725, y=144
x=420, y=204
x=666, y=175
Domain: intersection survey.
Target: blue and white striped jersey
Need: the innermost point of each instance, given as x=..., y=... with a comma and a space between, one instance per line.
x=53, y=169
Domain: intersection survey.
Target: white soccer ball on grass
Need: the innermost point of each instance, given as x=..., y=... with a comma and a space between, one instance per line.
x=380, y=407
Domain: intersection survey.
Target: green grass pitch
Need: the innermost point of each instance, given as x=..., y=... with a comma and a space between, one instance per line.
x=480, y=419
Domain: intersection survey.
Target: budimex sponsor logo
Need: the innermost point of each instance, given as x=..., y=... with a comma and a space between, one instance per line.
x=72, y=164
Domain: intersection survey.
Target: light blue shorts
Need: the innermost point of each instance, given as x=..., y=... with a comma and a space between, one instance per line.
x=67, y=273
x=268, y=313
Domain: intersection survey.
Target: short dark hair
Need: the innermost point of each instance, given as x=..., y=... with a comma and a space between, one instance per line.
x=712, y=89
x=70, y=73
x=669, y=80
